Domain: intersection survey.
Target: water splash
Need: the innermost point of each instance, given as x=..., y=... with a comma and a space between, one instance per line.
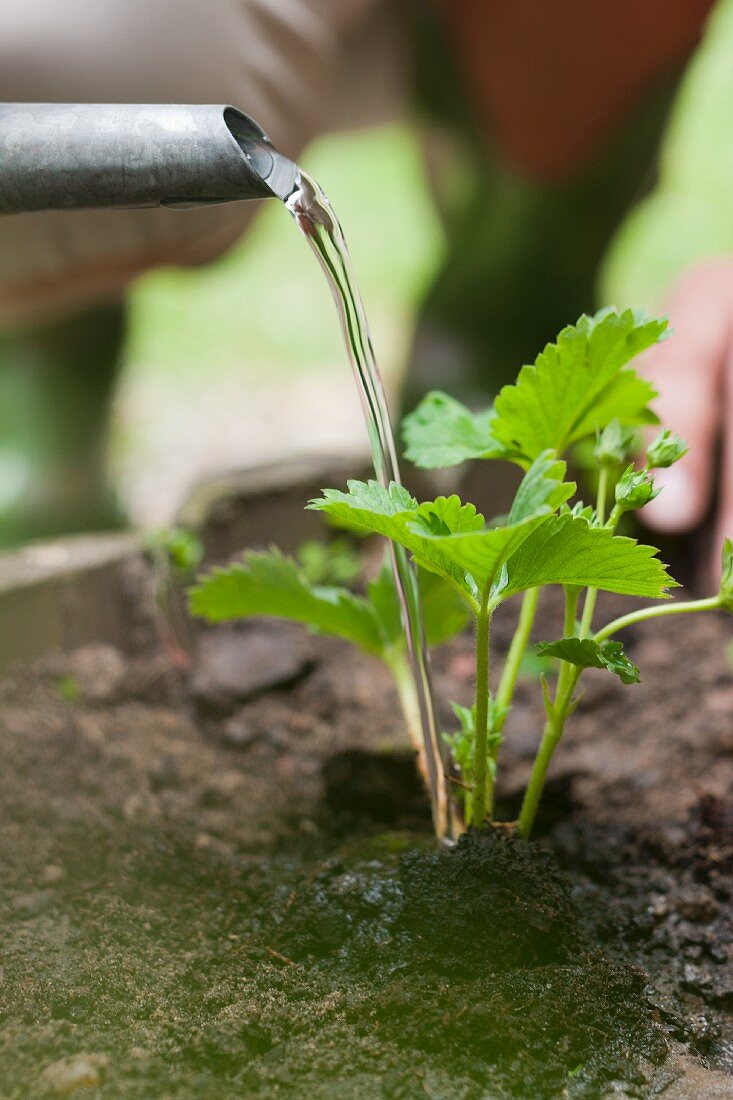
x=316, y=220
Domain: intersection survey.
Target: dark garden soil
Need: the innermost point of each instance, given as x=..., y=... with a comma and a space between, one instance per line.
x=205, y=895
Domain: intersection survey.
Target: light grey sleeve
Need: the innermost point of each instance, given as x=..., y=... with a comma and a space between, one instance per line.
x=300, y=67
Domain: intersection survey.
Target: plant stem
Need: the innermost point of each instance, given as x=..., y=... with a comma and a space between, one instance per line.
x=571, y=603
x=480, y=806
x=551, y=735
x=520, y=641
x=554, y=726
x=711, y=603
x=566, y=684
x=591, y=595
x=510, y=674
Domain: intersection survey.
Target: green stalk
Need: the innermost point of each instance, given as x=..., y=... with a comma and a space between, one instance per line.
x=556, y=717
x=685, y=607
x=591, y=595
x=510, y=675
x=480, y=807
x=568, y=678
x=551, y=735
x=520, y=641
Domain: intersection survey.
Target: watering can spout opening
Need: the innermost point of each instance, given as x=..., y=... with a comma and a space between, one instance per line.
x=277, y=173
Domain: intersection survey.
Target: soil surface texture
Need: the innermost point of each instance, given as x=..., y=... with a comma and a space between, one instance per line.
x=222, y=883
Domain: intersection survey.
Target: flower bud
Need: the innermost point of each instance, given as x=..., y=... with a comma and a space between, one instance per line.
x=665, y=450
x=634, y=489
x=613, y=444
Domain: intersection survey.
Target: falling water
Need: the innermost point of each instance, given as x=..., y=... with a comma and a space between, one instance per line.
x=313, y=214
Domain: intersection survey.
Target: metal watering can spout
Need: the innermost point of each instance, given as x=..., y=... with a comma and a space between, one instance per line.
x=72, y=156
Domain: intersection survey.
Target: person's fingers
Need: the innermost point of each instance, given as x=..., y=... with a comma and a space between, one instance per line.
x=687, y=370
x=724, y=518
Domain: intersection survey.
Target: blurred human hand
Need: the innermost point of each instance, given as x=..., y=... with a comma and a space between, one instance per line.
x=693, y=372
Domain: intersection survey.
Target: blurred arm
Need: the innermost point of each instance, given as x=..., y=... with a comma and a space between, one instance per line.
x=285, y=62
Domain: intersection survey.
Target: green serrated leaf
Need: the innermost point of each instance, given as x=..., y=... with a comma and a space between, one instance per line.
x=446, y=536
x=586, y=653
x=578, y=384
x=392, y=512
x=268, y=583
x=447, y=516
x=482, y=553
x=443, y=432
x=566, y=550
x=366, y=505
x=542, y=489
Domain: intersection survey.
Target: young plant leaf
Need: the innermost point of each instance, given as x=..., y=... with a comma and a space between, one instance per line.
x=578, y=384
x=580, y=511
x=448, y=516
x=566, y=550
x=443, y=432
x=586, y=653
x=482, y=553
x=268, y=583
x=367, y=506
x=542, y=489
x=462, y=742
x=392, y=512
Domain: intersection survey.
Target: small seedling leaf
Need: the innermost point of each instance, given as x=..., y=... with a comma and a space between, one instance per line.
x=334, y=562
x=586, y=653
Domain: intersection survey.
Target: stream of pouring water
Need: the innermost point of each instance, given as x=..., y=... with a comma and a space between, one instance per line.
x=313, y=214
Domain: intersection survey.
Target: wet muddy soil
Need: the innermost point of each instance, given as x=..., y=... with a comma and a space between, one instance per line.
x=222, y=884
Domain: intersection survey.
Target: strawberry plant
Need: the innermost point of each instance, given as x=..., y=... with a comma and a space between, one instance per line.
x=580, y=387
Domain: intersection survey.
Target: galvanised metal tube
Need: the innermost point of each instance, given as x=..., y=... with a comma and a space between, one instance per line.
x=66, y=156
